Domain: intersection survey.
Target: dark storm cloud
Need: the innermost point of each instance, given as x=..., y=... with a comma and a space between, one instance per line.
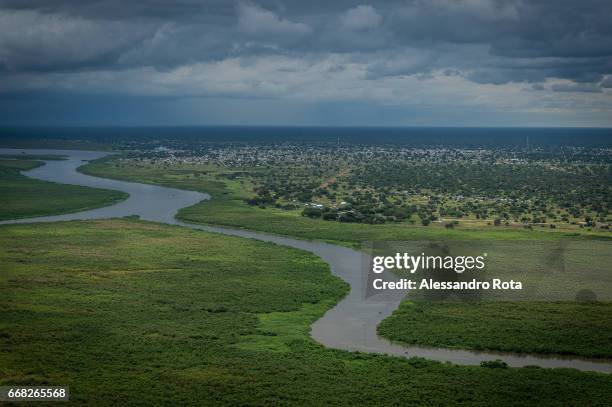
x=486, y=41
x=577, y=87
x=607, y=83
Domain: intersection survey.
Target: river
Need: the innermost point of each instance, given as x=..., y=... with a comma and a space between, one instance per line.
x=350, y=325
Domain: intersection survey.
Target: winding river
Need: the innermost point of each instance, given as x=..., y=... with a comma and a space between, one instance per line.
x=350, y=325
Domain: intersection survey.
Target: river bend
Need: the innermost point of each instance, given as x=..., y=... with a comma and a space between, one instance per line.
x=350, y=325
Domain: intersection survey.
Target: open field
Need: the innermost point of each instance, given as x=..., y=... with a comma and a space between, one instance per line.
x=130, y=312
x=24, y=197
x=580, y=329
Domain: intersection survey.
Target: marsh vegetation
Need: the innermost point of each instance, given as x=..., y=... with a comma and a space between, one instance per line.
x=24, y=197
x=115, y=308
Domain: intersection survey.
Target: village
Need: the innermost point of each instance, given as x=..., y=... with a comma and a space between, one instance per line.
x=358, y=183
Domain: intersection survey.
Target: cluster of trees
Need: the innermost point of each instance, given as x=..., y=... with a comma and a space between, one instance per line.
x=354, y=215
x=522, y=192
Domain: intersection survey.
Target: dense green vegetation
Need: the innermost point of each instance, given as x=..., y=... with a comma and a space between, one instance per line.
x=228, y=207
x=135, y=313
x=582, y=329
x=23, y=197
x=511, y=190
x=230, y=211
x=8, y=164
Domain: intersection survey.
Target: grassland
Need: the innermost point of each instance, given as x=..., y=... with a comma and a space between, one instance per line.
x=578, y=329
x=134, y=313
x=227, y=207
x=494, y=326
x=24, y=197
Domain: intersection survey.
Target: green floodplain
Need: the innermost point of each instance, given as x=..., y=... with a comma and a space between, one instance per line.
x=138, y=313
x=130, y=312
x=569, y=328
x=25, y=197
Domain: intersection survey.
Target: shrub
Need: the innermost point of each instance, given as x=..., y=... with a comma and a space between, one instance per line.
x=330, y=216
x=347, y=217
x=494, y=364
x=312, y=212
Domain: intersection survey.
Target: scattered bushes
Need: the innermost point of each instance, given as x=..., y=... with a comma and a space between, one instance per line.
x=494, y=364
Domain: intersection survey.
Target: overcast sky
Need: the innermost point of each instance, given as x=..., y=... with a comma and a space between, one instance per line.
x=285, y=62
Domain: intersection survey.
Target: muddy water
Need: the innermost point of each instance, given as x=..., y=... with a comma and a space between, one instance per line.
x=350, y=325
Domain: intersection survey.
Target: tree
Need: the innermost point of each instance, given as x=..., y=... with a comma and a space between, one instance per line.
x=312, y=212
x=330, y=216
x=347, y=217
